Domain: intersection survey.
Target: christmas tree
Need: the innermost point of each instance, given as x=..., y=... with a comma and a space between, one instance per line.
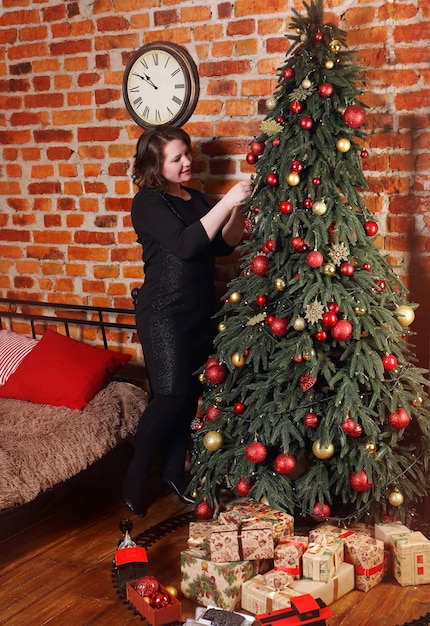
x=312, y=401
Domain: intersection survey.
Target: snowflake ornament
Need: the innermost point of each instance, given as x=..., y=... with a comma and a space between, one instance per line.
x=257, y=319
x=338, y=253
x=271, y=127
x=314, y=312
x=301, y=93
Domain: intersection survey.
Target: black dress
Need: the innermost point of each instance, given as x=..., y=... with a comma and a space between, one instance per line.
x=176, y=304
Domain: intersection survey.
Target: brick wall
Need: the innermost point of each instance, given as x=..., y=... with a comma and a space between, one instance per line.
x=66, y=140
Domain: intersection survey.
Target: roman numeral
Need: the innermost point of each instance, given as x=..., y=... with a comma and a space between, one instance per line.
x=176, y=100
x=137, y=102
x=155, y=58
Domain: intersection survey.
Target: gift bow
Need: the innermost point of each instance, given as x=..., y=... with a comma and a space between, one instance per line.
x=326, y=542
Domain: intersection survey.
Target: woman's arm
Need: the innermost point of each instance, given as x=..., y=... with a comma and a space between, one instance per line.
x=226, y=212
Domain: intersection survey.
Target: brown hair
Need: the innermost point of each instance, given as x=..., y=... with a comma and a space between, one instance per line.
x=148, y=160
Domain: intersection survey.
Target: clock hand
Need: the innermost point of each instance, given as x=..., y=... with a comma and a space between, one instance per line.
x=146, y=78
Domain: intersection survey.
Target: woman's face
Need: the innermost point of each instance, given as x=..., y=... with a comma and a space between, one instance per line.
x=177, y=162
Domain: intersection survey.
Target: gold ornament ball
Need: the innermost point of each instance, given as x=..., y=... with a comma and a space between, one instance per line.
x=306, y=83
x=308, y=356
x=418, y=401
x=235, y=297
x=335, y=46
x=293, y=179
x=329, y=64
x=370, y=447
x=271, y=103
x=222, y=326
x=319, y=207
x=395, y=498
x=405, y=315
x=202, y=378
x=343, y=144
x=172, y=591
x=299, y=323
x=360, y=310
x=280, y=284
x=329, y=269
x=321, y=451
x=238, y=360
x=212, y=441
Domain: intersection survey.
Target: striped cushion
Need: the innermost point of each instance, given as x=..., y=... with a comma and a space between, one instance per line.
x=13, y=349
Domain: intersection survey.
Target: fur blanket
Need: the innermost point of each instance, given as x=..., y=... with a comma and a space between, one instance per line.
x=42, y=445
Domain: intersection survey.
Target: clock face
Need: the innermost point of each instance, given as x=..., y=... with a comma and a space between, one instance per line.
x=161, y=85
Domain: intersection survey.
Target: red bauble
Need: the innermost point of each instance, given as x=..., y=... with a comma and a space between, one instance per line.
x=147, y=586
x=325, y=90
x=296, y=166
x=212, y=413
x=371, y=228
x=251, y=158
x=279, y=326
x=354, y=116
x=333, y=307
x=389, y=362
x=307, y=381
x=298, y=244
x=212, y=360
x=342, y=331
x=276, y=142
x=316, y=181
x=356, y=432
x=308, y=203
x=285, y=206
x=314, y=259
x=203, y=510
x=346, y=269
x=159, y=600
x=255, y=452
x=269, y=246
x=381, y=285
x=367, y=267
x=296, y=106
x=321, y=512
x=280, y=119
x=399, y=419
x=311, y=420
x=329, y=319
x=243, y=487
x=348, y=425
x=216, y=374
x=261, y=300
x=284, y=464
x=359, y=481
x=318, y=36
x=260, y=265
x=239, y=408
x=305, y=123
x=257, y=147
x=272, y=179
x=288, y=73
x=321, y=335
x=364, y=154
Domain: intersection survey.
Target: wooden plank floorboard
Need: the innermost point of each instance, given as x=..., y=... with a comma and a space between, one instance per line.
x=56, y=560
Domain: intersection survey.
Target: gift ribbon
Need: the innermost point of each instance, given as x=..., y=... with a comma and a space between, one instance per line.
x=361, y=571
x=300, y=545
x=295, y=571
x=316, y=547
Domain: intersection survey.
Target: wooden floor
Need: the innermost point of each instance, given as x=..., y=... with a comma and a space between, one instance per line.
x=56, y=559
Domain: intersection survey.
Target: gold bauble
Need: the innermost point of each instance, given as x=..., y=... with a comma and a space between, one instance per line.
x=172, y=591
x=280, y=284
x=222, y=326
x=329, y=269
x=418, y=401
x=238, y=360
x=329, y=64
x=370, y=447
x=319, y=207
x=321, y=451
x=343, y=144
x=271, y=103
x=235, y=297
x=293, y=179
x=308, y=356
x=360, y=310
x=299, y=323
x=335, y=46
x=306, y=83
x=202, y=378
x=212, y=441
x=395, y=498
x=405, y=315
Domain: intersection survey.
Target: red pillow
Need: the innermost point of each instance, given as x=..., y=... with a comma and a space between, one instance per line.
x=62, y=372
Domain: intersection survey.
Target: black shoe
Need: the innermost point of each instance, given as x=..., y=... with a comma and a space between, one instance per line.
x=181, y=495
x=138, y=508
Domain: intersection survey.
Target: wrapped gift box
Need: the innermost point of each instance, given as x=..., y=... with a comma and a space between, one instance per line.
x=411, y=556
x=200, y=532
x=289, y=553
x=277, y=579
x=239, y=512
x=367, y=555
x=259, y=597
x=342, y=583
x=321, y=560
x=211, y=583
x=156, y=617
x=241, y=542
x=321, y=532
x=384, y=532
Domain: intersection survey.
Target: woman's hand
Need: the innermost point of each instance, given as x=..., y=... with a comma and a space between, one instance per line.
x=239, y=193
x=222, y=211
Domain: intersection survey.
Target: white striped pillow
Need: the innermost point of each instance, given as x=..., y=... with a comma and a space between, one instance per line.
x=13, y=349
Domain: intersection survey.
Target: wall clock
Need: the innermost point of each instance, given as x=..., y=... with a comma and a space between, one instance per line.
x=161, y=85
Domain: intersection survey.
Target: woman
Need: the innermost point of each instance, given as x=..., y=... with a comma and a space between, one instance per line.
x=180, y=235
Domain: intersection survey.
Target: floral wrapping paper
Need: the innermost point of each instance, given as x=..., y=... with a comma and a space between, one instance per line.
x=411, y=557
x=241, y=542
x=277, y=579
x=288, y=555
x=341, y=583
x=322, y=560
x=211, y=583
x=239, y=512
x=200, y=532
x=258, y=597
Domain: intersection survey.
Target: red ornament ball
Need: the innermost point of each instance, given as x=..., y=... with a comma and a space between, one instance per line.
x=318, y=36
x=276, y=142
x=243, y=487
x=288, y=73
x=284, y=464
x=389, y=362
x=359, y=481
x=308, y=203
x=212, y=413
x=203, y=510
x=160, y=600
x=316, y=181
x=342, y=331
x=357, y=431
x=251, y=158
x=354, y=116
x=348, y=426
x=333, y=307
x=239, y=408
x=320, y=512
x=305, y=123
x=296, y=106
x=321, y=335
x=261, y=300
x=298, y=244
x=212, y=360
x=367, y=267
x=314, y=259
x=364, y=154
x=371, y=228
x=272, y=179
x=279, y=326
x=257, y=147
x=260, y=265
x=311, y=420
x=381, y=285
x=147, y=586
x=325, y=90
x=216, y=374
x=399, y=418
x=329, y=319
x=296, y=166
x=285, y=206
x=255, y=452
x=346, y=269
